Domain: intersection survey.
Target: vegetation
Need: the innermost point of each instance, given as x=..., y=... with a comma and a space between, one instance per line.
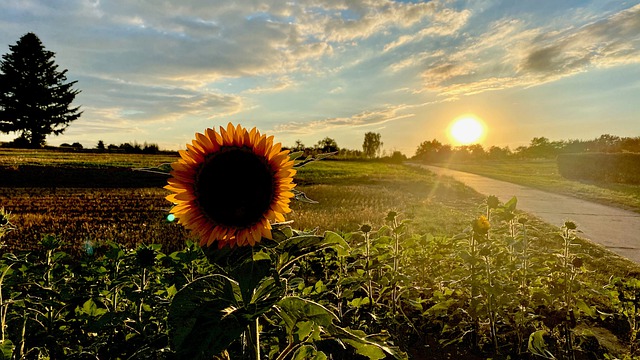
x=447, y=273
x=372, y=144
x=602, y=167
x=539, y=148
x=544, y=175
x=35, y=98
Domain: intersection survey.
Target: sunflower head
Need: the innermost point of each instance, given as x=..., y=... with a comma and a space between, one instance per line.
x=230, y=185
x=481, y=225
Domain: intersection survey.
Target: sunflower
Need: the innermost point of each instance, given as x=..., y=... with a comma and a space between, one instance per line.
x=229, y=186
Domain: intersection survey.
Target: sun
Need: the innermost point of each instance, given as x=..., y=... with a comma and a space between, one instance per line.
x=467, y=130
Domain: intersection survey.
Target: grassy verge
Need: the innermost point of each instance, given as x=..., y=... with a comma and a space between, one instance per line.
x=543, y=175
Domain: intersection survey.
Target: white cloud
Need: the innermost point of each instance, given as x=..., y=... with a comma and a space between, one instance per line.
x=364, y=118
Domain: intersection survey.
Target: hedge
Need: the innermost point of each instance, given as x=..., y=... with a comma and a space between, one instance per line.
x=605, y=167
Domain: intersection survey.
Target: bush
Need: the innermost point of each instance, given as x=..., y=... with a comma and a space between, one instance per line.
x=605, y=167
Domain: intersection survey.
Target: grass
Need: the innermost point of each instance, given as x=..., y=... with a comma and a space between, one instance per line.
x=543, y=175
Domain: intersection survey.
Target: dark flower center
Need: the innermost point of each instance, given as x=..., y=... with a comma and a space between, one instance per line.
x=235, y=187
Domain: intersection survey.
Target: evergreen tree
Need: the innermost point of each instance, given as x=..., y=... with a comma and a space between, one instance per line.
x=35, y=98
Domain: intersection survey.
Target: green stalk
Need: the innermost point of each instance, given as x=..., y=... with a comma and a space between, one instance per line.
x=368, y=269
x=490, y=310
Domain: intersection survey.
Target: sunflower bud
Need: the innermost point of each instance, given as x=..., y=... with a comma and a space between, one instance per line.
x=577, y=262
x=480, y=225
x=365, y=228
x=145, y=256
x=570, y=225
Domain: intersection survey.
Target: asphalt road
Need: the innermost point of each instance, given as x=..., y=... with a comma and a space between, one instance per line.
x=616, y=229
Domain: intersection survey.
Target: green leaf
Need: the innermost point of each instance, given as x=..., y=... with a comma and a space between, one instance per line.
x=293, y=310
x=171, y=291
x=305, y=328
x=308, y=352
x=296, y=247
x=585, y=308
x=6, y=349
x=440, y=308
x=91, y=308
x=538, y=346
x=371, y=351
x=511, y=204
x=204, y=317
x=366, y=345
x=295, y=155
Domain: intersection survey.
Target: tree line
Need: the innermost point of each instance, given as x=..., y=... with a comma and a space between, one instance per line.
x=538, y=148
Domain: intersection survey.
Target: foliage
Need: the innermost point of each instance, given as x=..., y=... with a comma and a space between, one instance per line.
x=327, y=145
x=538, y=148
x=372, y=144
x=35, y=98
x=602, y=167
x=544, y=175
x=501, y=288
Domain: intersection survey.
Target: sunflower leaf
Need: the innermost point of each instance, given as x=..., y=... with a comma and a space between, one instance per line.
x=295, y=155
x=204, y=318
x=296, y=247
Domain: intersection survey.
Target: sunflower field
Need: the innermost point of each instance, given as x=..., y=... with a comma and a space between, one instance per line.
x=374, y=261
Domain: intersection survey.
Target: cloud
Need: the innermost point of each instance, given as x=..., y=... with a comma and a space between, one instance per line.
x=444, y=23
x=364, y=118
x=609, y=42
x=510, y=53
x=119, y=99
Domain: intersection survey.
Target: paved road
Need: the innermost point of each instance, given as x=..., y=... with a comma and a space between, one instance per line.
x=616, y=229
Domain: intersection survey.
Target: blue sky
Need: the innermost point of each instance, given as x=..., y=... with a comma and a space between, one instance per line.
x=158, y=72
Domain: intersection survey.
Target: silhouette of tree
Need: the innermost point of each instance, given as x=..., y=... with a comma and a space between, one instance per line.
x=327, y=145
x=372, y=144
x=35, y=98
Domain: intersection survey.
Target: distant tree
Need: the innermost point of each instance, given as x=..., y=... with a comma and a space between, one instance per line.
x=496, y=152
x=77, y=146
x=150, y=148
x=477, y=151
x=428, y=150
x=541, y=147
x=372, y=144
x=35, y=98
x=299, y=146
x=100, y=145
x=327, y=145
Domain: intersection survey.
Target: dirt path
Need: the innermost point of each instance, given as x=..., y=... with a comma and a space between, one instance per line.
x=616, y=229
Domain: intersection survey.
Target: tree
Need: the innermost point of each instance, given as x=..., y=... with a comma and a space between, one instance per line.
x=327, y=145
x=299, y=146
x=35, y=98
x=428, y=150
x=372, y=144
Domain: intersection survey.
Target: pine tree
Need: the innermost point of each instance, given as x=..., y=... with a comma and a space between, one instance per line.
x=35, y=98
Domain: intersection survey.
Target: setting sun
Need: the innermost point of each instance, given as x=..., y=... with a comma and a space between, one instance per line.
x=466, y=130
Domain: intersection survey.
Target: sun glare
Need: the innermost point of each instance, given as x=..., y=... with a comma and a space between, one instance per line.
x=466, y=130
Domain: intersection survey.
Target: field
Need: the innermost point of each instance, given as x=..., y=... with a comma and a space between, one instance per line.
x=409, y=257
x=543, y=175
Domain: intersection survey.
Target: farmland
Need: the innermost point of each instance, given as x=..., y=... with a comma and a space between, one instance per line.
x=411, y=259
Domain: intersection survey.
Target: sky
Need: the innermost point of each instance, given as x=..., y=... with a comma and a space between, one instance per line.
x=158, y=72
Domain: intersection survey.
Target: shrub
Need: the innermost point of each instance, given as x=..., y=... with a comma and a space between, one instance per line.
x=605, y=167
